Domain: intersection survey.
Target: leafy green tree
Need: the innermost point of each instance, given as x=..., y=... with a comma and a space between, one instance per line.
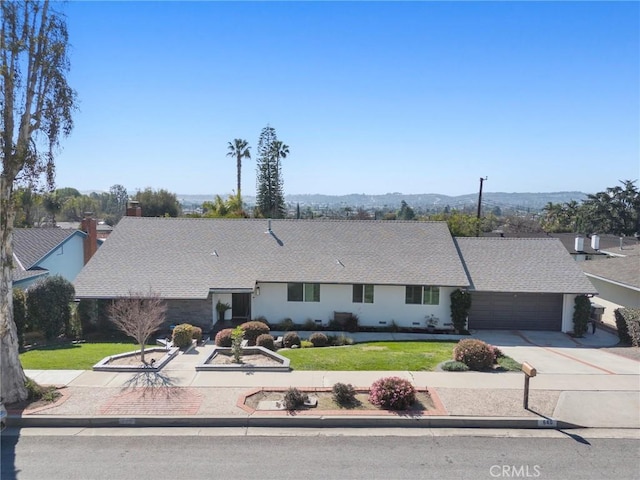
x=270, y=194
x=616, y=210
x=405, y=212
x=460, y=224
x=48, y=305
x=37, y=105
x=52, y=206
x=239, y=149
x=74, y=208
x=160, y=203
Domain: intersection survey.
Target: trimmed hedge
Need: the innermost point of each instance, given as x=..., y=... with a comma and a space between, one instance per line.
x=252, y=330
x=628, y=325
x=182, y=335
x=266, y=340
x=223, y=338
x=475, y=354
x=290, y=339
x=319, y=339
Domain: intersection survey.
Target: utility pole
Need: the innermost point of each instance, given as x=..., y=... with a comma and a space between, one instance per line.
x=482, y=180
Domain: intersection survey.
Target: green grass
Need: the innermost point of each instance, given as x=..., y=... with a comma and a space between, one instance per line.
x=80, y=356
x=508, y=363
x=372, y=356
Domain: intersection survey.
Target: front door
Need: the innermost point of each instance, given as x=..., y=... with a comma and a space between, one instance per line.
x=241, y=305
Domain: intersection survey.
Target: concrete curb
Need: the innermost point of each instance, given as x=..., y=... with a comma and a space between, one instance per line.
x=306, y=421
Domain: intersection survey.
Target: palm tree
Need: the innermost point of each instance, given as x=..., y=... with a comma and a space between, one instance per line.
x=239, y=148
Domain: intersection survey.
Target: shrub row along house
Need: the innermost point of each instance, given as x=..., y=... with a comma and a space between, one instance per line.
x=381, y=271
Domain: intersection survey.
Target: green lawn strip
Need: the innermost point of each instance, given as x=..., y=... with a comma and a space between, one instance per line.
x=372, y=356
x=508, y=363
x=79, y=356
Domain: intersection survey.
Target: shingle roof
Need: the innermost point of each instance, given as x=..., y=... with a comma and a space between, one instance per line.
x=620, y=269
x=18, y=275
x=522, y=265
x=32, y=244
x=185, y=258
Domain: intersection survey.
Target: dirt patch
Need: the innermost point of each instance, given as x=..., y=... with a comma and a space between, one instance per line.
x=250, y=360
x=423, y=402
x=53, y=397
x=135, y=359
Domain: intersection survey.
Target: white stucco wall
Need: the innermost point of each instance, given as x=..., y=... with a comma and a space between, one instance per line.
x=67, y=259
x=568, y=306
x=614, y=293
x=389, y=304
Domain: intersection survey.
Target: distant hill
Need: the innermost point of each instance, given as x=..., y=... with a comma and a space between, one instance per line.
x=518, y=201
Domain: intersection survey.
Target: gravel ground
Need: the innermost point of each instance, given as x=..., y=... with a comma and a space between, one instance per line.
x=502, y=403
x=629, y=352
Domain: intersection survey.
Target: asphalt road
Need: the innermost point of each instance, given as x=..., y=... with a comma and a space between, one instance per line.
x=159, y=457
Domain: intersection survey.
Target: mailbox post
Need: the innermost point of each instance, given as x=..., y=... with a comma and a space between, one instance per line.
x=529, y=372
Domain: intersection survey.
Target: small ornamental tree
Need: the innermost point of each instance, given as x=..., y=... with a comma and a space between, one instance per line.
x=460, y=305
x=48, y=305
x=581, y=314
x=138, y=316
x=237, y=335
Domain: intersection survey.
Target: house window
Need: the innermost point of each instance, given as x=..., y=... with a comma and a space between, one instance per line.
x=431, y=296
x=311, y=292
x=303, y=292
x=362, y=293
x=294, y=292
x=419, y=295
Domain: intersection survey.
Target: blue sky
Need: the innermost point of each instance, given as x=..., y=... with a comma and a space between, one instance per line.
x=371, y=97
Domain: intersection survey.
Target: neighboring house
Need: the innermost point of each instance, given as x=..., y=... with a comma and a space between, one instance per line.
x=522, y=283
x=617, y=278
x=381, y=271
x=38, y=252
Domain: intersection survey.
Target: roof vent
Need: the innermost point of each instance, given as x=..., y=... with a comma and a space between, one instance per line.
x=595, y=242
x=579, y=244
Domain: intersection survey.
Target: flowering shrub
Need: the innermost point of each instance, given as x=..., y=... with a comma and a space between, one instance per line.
x=265, y=340
x=475, y=354
x=223, y=338
x=290, y=339
x=319, y=339
x=393, y=393
x=497, y=353
x=252, y=330
x=182, y=335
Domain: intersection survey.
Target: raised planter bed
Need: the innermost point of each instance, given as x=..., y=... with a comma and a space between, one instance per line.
x=112, y=363
x=254, y=359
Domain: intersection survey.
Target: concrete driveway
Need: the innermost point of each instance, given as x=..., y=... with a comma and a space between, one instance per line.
x=558, y=353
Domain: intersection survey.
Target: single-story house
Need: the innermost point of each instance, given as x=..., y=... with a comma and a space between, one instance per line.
x=616, y=276
x=39, y=252
x=521, y=283
x=381, y=271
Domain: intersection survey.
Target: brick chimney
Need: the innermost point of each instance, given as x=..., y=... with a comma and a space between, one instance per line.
x=89, y=226
x=133, y=209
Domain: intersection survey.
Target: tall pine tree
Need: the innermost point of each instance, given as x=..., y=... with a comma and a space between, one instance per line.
x=270, y=192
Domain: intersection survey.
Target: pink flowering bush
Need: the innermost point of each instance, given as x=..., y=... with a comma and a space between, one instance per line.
x=475, y=354
x=393, y=393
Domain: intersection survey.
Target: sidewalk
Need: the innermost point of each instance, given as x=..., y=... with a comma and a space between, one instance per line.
x=178, y=395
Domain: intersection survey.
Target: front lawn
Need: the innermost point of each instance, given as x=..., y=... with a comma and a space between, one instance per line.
x=77, y=356
x=372, y=356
